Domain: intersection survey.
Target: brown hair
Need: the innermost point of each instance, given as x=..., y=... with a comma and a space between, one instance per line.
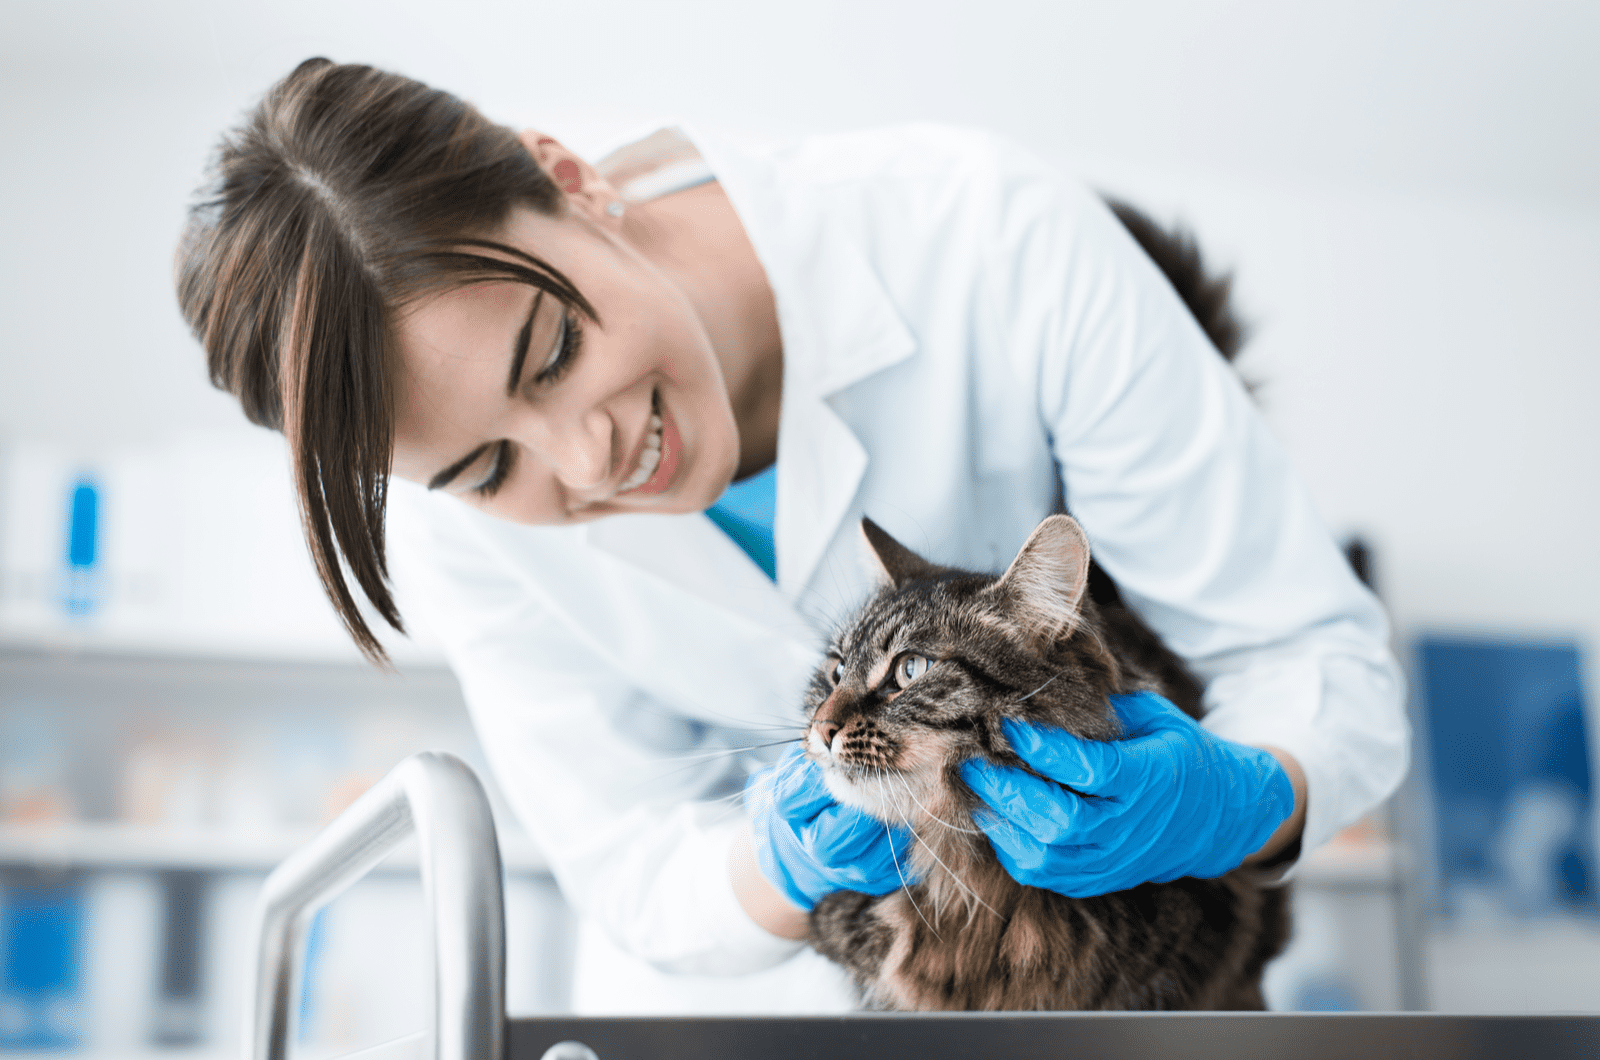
x=346, y=194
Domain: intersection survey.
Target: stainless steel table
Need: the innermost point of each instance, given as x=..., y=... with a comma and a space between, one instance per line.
x=1070, y=1036
x=438, y=797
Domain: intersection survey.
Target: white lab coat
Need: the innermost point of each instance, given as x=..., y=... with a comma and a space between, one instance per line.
x=969, y=339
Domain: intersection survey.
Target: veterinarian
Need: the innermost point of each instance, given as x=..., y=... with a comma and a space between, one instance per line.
x=525, y=379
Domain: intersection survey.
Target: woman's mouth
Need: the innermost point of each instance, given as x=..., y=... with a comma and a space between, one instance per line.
x=658, y=459
x=649, y=457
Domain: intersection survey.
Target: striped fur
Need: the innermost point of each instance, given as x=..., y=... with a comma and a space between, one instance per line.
x=966, y=935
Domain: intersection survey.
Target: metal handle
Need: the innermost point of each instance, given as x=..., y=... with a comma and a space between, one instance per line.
x=439, y=797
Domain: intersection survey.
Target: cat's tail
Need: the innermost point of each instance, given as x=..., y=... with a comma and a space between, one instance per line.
x=1208, y=295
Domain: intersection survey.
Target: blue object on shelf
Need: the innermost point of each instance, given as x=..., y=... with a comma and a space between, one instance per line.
x=83, y=535
x=1512, y=784
x=83, y=549
x=41, y=973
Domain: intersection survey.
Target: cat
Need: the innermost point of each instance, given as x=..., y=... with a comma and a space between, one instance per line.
x=917, y=684
x=1052, y=640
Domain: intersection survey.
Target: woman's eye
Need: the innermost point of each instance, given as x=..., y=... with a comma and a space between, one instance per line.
x=503, y=454
x=835, y=670
x=909, y=667
x=556, y=347
x=569, y=340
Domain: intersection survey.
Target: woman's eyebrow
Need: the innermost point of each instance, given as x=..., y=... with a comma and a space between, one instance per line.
x=445, y=477
x=519, y=355
x=519, y=352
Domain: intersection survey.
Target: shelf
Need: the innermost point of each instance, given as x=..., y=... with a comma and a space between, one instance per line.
x=272, y=646
x=1350, y=866
x=114, y=846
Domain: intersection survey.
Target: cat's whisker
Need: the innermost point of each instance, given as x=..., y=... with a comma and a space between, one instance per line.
x=783, y=770
x=935, y=893
x=781, y=722
x=724, y=751
x=728, y=799
x=1042, y=687
x=930, y=814
x=906, y=886
x=956, y=879
x=701, y=758
x=778, y=722
x=939, y=910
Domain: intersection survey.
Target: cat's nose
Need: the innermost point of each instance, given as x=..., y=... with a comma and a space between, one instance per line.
x=826, y=731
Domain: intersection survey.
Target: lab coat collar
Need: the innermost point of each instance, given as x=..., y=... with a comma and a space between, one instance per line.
x=839, y=325
x=839, y=328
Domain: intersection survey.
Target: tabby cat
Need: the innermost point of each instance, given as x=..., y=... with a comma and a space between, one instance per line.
x=1048, y=642
x=917, y=684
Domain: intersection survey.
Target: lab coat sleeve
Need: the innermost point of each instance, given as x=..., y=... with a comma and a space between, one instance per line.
x=610, y=786
x=1190, y=504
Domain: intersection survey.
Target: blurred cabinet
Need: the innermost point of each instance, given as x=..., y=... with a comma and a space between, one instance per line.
x=144, y=799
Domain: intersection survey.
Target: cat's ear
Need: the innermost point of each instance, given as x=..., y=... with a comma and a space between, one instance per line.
x=1045, y=583
x=892, y=563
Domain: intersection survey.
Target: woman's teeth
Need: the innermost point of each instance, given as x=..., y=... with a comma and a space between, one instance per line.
x=648, y=460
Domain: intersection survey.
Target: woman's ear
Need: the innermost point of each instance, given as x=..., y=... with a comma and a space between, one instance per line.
x=584, y=187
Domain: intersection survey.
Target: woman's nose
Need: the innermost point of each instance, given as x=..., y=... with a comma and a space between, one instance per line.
x=581, y=454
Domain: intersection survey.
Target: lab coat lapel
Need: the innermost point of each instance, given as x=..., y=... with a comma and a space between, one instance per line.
x=839, y=328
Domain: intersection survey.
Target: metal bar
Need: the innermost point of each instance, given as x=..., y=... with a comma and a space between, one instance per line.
x=437, y=796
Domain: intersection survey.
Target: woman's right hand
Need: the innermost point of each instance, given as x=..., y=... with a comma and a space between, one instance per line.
x=807, y=844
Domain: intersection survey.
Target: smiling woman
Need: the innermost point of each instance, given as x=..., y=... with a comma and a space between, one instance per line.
x=381, y=316
x=292, y=262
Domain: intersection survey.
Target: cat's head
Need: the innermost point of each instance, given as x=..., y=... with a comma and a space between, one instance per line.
x=920, y=680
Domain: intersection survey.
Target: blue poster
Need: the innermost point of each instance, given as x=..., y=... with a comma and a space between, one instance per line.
x=1513, y=798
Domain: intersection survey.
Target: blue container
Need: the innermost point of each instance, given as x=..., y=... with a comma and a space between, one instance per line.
x=1511, y=774
x=41, y=968
x=83, y=594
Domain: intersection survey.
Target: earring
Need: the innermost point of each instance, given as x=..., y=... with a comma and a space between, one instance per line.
x=615, y=209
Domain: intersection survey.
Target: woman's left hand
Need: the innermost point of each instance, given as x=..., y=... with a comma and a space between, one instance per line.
x=1167, y=800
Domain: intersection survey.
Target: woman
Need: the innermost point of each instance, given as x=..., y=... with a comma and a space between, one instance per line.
x=921, y=325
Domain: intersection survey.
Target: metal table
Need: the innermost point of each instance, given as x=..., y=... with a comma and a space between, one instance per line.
x=437, y=796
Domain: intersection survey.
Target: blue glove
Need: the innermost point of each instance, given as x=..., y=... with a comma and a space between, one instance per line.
x=1168, y=800
x=809, y=845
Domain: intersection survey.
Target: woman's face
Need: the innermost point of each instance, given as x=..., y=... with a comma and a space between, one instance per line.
x=534, y=414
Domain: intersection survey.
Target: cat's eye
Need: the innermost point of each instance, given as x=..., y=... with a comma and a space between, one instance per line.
x=909, y=667
x=835, y=670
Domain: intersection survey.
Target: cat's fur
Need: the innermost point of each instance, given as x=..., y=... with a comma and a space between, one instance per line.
x=1030, y=645
x=1048, y=642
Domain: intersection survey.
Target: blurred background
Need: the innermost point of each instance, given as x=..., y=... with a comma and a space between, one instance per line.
x=1408, y=192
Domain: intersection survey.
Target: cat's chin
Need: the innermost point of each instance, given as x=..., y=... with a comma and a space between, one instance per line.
x=885, y=797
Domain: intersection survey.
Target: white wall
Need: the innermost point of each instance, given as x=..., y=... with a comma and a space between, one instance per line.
x=1410, y=192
